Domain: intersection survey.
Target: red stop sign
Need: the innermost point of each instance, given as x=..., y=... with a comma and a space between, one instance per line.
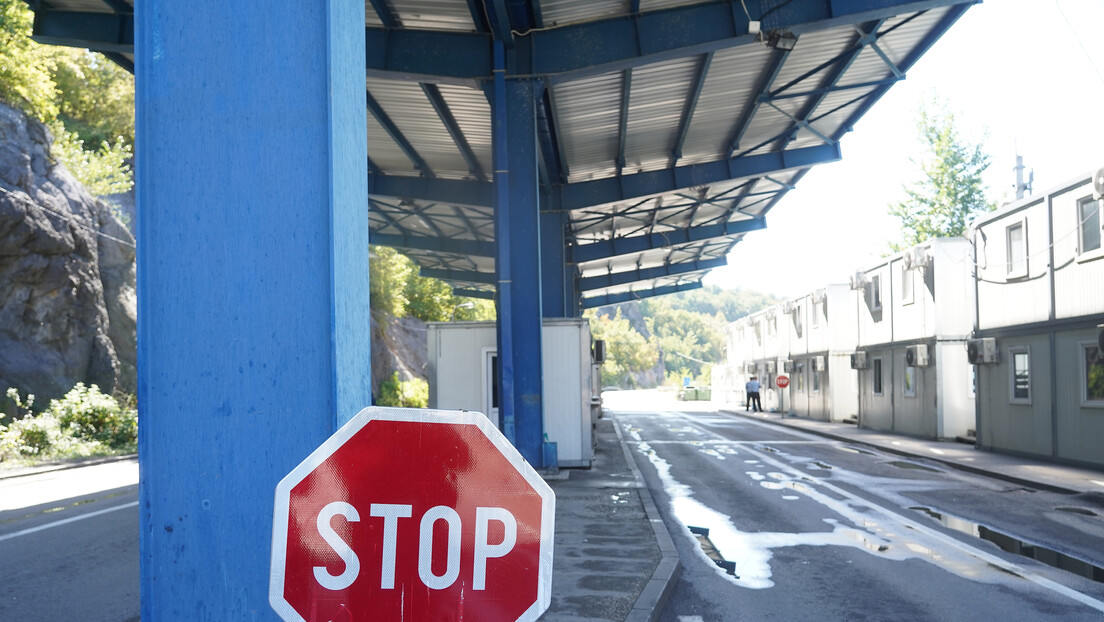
x=782, y=381
x=408, y=514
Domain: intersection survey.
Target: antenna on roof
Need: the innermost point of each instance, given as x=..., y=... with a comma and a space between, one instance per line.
x=1021, y=187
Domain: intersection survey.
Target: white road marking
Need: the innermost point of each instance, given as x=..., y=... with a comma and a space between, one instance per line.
x=66, y=521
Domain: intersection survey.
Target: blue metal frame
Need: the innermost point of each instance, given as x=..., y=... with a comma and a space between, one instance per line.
x=613, y=279
x=636, y=244
x=444, y=245
x=464, y=276
x=612, y=299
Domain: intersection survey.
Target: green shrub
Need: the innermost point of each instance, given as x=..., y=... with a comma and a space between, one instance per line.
x=90, y=415
x=408, y=394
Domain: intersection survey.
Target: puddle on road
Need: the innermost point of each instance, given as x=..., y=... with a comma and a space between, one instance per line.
x=855, y=450
x=1011, y=544
x=860, y=526
x=710, y=550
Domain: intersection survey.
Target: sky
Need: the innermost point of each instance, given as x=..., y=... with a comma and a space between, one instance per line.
x=1022, y=76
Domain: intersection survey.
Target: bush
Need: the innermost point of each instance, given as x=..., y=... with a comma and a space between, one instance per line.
x=408, y=394
x=90, y=415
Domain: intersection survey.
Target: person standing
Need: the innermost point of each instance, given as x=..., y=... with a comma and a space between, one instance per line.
x=752, y=388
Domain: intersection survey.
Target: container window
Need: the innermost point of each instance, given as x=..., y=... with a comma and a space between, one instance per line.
x=1088, y=212
x=877, y=366
x=1016, y=237
x=1092, y=360
x=910, y=381
x=1021, y=375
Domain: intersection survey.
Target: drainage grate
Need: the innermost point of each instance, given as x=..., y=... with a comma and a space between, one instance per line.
x=702, y=534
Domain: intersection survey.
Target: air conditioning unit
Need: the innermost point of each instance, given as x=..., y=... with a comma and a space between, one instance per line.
x=819, y=361
x=982, y=351
x=917, y=356
x=789, y=307
x=749, y=368
x=858, y=360
x=858, y=280
x=771, y=368
x=917, y=258
x=819, y=295
x=1098, y=184
x=788, y=366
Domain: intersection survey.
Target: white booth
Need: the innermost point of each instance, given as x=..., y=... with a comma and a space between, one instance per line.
x=462, y=373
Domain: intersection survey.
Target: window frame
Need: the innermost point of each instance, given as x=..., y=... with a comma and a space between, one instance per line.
x=814, y=383
x=1083, y=377
x=908, y=276
x=1093, y=253
x=1023, y=270
x=814, y=315
x=877, y=384
x=1012, y=352
x=876, y=292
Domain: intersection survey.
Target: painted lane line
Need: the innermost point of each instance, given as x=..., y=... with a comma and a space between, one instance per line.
x=66, y=521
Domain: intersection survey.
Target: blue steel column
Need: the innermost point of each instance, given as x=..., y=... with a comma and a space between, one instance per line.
x=517, y=235
x=557, y=276
x=253, y=304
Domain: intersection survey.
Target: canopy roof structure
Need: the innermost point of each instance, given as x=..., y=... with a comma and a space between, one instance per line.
x=667, y=129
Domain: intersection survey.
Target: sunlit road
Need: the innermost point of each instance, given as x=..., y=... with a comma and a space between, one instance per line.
x=821, y=530
x=69, y=545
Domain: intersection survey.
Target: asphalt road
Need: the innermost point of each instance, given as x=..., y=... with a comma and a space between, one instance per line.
x=816, y=529
x=69, y=545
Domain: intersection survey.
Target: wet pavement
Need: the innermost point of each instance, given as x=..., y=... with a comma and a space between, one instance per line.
x=613, y=559
x=1024, y=471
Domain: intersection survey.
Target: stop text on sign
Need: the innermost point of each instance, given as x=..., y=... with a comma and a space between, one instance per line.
x=391, y=513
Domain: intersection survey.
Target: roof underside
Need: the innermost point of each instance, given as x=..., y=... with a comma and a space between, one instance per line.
x=667, y=129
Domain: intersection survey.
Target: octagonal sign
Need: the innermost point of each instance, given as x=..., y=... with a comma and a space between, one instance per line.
x=411, y=514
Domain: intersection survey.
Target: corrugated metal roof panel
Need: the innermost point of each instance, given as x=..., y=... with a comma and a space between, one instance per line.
x=384, y=153
x=433, y=14
x=588, y=114
x=656, y=101
x=729, y=87
x=409, y=109
x=472, y=112
x=561, y=12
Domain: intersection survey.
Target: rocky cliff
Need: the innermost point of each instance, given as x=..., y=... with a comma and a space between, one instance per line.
x=67, y=298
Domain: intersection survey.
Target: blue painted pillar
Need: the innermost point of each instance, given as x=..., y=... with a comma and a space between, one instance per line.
x=253, y=334
x=517, y=235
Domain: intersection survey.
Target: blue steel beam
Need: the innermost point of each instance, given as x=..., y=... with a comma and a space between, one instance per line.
x=101, y=32
x=611, y=190
x=440, y=106
x=623, y=118
x=581, y=195
x=452, y=191
x=612, y=299
x=441, y=245
x=473, y=293
x=592, y=283
x=465, y=276
x=663, y=239
x=766, y=80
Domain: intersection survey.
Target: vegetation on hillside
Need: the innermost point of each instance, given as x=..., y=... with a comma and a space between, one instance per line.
x=685, y=330
x=86, y=100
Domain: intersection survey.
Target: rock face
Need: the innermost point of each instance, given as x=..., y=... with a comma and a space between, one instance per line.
x=398, y=344
x=67, y=298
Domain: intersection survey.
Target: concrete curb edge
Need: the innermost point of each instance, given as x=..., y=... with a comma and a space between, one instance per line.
x=64, y=466
x=653, y=599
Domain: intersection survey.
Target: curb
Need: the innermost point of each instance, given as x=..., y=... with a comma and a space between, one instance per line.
x=653, y=599
x=910, y=454
x=64, y=466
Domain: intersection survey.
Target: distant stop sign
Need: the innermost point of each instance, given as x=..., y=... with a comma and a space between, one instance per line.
x=782, y=381
x=408, y=514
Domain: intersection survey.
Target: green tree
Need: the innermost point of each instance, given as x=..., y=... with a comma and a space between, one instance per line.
x=397, y=290
x=627, y=351
x=26, y=68
x=951, y=192
x=95, y=98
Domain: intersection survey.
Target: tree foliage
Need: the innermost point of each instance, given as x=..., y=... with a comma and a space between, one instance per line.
x=951, y=191
x=627, y=351
x=397, y=290
x=87, y=101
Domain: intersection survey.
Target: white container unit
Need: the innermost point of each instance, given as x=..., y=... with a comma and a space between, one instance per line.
x=463, y=359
